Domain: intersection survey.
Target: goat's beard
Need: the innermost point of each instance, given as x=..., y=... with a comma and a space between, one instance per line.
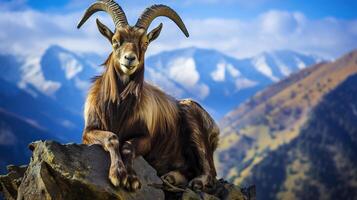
x=128, y=71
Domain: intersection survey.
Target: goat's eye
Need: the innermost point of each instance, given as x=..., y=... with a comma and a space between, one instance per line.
x=116, y=44
x=145, y=45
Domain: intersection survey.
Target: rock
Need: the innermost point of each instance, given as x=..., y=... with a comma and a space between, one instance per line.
x=222, y=190
x=10, y=183
x=79, y=172
x=75, y=171
x=191, y=195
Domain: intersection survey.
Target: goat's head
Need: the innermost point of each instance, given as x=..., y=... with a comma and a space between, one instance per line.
x=130, y=42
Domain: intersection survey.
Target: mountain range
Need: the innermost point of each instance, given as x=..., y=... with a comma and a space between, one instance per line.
x=220, y=82
x=296, y=139
x=47, y=93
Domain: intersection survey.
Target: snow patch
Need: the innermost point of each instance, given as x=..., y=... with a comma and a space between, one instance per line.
x=70, y=65
x=32, y=74
x=243, y=83
x=82, y=85
x=160, y=80
x=284, y=70
x=261, y=65
x=299, y=63
x=219, y=74
x=201, y=91
x=183, y=70
x=233, y=71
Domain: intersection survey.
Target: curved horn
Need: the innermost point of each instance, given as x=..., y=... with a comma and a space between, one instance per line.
x=160, y=10
x=109, y=6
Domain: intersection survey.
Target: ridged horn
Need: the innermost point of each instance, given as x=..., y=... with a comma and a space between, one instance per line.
x=154, y=11
x=109, y=6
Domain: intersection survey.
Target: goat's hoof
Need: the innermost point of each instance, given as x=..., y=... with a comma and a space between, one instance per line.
x=118, y=176
x=201, y=183
x=169, y=178
x=175, y=178
x=133, y=183
x=114, y=180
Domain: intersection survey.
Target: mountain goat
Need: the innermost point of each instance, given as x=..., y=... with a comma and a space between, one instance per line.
x=129, y=117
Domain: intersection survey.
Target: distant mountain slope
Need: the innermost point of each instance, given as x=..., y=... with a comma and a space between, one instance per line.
x=10, y=68
x=280, y=64
x=25, y=118
x=321, y=162
x=72, y=73
x=216, y=80
x=28, y=114
x=41, y=111
x=275, y=116
x=30, y=107
x=15, y=135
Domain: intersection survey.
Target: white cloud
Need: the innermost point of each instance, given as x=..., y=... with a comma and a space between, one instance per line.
x=281, y=23
x=272, y=30
x=240, y=3
x=30, y=32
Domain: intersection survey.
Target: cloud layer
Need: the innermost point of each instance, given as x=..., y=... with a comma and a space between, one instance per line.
x=30, y=32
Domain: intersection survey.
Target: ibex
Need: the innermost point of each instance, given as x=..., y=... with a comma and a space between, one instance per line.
x=129, y=117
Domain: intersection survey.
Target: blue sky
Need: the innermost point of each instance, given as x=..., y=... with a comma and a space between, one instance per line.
x=239, y=28
x=342, y=9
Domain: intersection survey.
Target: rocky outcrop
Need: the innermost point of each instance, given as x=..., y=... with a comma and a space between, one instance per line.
x=75, y=171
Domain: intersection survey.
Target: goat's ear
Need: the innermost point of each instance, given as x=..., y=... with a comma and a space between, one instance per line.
x=154, y=33
x=105, y=31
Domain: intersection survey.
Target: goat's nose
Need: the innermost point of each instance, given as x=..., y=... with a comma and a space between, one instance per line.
x=130, y=58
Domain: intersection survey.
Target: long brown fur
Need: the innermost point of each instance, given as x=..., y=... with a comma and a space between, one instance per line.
x=142, y=110
x=129, y=117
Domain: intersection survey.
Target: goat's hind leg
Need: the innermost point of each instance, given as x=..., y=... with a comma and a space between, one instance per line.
x=203, y=134
x=204, y=154
x=110, y=142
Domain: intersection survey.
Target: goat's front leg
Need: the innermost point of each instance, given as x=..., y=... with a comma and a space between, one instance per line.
x=110, y=142
x=130, y=150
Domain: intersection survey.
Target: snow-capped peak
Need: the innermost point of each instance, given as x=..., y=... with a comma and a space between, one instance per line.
x=279, y=64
